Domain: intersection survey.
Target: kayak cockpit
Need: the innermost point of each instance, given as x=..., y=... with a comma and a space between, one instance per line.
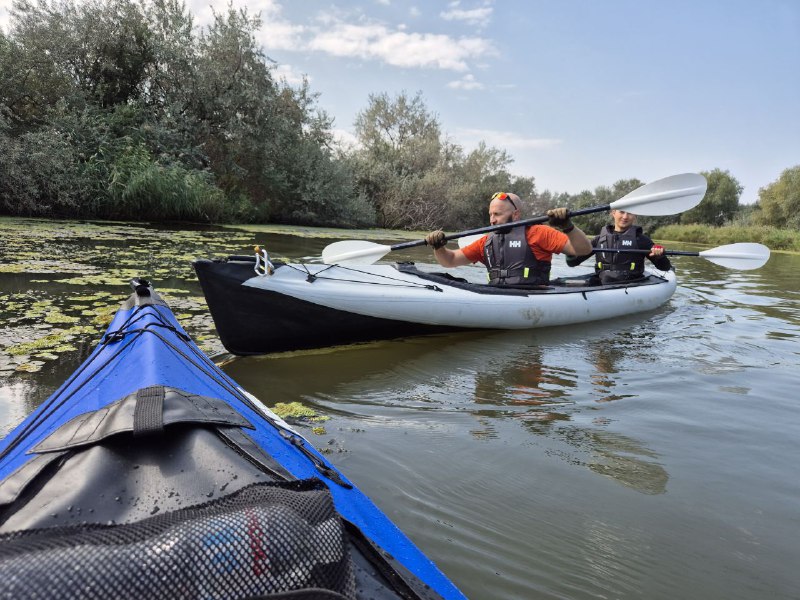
x=561, y=285
x=162, y=493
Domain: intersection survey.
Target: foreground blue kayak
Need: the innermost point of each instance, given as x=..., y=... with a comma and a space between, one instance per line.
x=151, y=474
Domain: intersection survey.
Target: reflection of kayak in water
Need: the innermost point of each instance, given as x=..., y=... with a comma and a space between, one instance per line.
x=151, y=474
x=312, y=306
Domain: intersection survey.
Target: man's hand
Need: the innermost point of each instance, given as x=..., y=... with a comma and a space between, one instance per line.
x=656, y=250
x=559, y=218
x=435, y=239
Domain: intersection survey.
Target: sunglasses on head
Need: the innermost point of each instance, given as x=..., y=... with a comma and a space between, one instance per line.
x=504, y=196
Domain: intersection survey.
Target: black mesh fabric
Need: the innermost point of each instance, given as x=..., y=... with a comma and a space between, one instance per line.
x=269, y=540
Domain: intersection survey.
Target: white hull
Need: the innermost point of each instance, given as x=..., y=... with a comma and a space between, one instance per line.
x=381, y=291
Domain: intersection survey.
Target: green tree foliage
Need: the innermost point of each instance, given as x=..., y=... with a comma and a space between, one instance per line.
x=593, y=223
x=96, y=51
x=602, y=195
x=202, y=110
x=416, y=177
x=779, y=202
x=721, y=202
x=37, y=171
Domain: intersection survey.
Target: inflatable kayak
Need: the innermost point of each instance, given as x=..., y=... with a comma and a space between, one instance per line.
x=151, y=474
x=288, y=306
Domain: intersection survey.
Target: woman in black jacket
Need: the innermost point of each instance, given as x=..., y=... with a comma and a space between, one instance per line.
x=616, y=267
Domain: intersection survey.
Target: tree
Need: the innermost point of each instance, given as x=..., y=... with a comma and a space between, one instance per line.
x=100, y=49
x=399, y=152
x=602, y=195
x=720, y=203
x=485, y=171
x=400, y=133
x=780, y=201
x=138, y=95
x=416, y=177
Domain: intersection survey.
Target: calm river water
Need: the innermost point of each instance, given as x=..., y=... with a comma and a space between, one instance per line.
x=653, y=456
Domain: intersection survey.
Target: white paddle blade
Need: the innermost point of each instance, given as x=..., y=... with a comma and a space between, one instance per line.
x=668, y=196
x=738, y=256
x=353, y=252
x=468, y=239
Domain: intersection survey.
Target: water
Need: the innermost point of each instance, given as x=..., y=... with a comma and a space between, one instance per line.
x=651, y=456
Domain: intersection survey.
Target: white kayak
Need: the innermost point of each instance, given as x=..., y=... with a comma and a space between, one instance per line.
x=301, y=305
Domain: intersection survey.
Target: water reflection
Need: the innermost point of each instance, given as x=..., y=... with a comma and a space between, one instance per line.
x=17, y=400
x=772, y=291
x=496, y=378
x=621, y=458
x=522, y=381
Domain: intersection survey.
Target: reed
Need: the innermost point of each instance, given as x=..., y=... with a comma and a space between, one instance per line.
x=142, y=189
x=772, y=237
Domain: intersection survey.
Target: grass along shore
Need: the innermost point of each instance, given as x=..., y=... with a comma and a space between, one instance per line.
x=786, y=240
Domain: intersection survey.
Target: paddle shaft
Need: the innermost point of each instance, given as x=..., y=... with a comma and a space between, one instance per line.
x=642, y=251
x=491, y=228
x=745, y=256
x=667, y=196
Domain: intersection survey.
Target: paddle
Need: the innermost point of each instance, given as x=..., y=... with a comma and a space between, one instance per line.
x=745, y=256
x=667, y=196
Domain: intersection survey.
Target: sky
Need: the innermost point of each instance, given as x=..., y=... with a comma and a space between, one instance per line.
x=581, y=93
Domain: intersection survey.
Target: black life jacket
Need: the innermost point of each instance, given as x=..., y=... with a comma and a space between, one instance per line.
x=511, y=261
x=619, y=266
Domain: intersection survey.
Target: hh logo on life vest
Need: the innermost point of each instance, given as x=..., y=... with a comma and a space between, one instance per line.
x=514, y=244
x=627, y=242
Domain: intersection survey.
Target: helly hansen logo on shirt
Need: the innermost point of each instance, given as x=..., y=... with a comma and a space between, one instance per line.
x=514, y=244
x=627, y=242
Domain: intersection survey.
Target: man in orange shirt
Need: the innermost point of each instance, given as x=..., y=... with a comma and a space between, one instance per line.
x=518, y=256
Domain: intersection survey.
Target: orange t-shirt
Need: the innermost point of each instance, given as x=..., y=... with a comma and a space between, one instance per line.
x=544, y=241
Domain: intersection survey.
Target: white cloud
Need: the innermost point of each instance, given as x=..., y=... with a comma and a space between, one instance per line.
x=475, y=16
x=359, y=39
x=399, y=48
x=468, y=82
x=5, y=18
x=288, y=74
x=276, y=33
x=507, y=140
x=280, y=35
x=345, y=139
x=414, y=12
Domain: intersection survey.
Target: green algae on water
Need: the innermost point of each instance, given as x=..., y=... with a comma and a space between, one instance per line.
x=295, y=410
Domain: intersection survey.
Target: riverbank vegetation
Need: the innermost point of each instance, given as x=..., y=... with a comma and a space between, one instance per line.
x=123, y=109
